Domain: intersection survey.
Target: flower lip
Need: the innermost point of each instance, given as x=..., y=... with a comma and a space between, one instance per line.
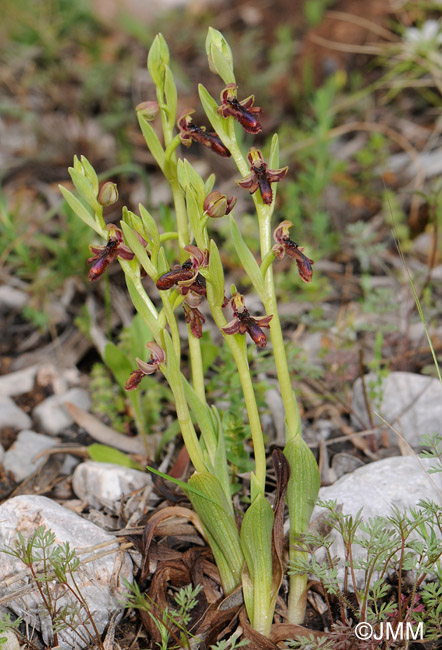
x=243, y=322
x=157, y=357
x=187, y=276
x=261, y=177
x=190, y=131
x=285, y=245
x=195, y=319
x=105, y=255
x=242, y=111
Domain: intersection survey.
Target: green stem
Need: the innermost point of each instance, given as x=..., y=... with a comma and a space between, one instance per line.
x=196, y=363
x=297, y=601
x=165, y=297
x=271, y=307
x=249, y=398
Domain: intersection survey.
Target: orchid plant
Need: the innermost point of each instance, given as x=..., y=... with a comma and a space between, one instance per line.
x=249, y=554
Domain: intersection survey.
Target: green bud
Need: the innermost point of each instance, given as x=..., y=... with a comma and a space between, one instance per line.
x=149, y=110
x=108, y=194
x=157, y=59
x=219, y=55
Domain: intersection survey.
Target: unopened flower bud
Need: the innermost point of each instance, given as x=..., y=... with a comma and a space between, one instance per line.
x=149, y=110
x=217, y=205
x=108, y=194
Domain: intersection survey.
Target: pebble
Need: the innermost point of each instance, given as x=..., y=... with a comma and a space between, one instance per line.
x=411, y=403
x=103, y=484
x=51, y=414
x=17, y=383
x=400, y=481
x=99, y=580
x=20, y=457
x=12, y=416
x=12, y=299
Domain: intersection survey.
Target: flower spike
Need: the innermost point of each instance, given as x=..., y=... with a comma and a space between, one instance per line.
x=242, y=322
x=285, y=245
x=261, y=177
x=190, y=131
x=157, y=357
x=105, y=255
x=242, y=111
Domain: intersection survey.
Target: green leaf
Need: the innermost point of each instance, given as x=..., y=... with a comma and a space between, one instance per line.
x=222, y=65
x=274, y=153
x=303, y=486
x=209, y=351
x=141, y=301
x=105, y=454
x=138, y=249
x=247, y=260
x=90, y=174
x=215, y=284
x=118, y=363
x=140, y=334
x=256, y=542
x=196, y=182
x=157, y=59
x=194, y=215
x=152, y=141
x=209, y=184
x=203, y=416
x=218, y=521
x=150, y=226
x=83, y=186
x=81, y=211
x=219, y=123
x=171, y=95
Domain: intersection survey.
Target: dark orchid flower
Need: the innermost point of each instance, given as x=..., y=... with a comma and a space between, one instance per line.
x=243, y=111
x=242, y=322
x=186, y=275
x=285, y=245
x=217, y=205
x=261, y=177
x=190, y=131
x=105, y=255
x=195, y=319
x=157, y=357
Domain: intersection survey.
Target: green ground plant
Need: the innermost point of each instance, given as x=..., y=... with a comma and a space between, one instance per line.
x=52, y=568
x=252, y=556
x=405, y=548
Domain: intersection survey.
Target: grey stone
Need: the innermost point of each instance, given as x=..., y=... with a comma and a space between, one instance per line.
x=411, y=403
x=12, y=299
x=52, y=415
x=376, y=488
x=2, y=454
x=17, y=383
x=99, y=576
x=20, y=457
x=12, y=416
x=103, y=484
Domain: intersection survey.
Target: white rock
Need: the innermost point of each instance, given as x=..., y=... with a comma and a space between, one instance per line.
x=12, y=416
x=411, y=403
x=100, y=580
x=12, y=299
x=52, y=415
x=400, y=481
x=17, y=383
x=103, y=484
x=20, y=457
